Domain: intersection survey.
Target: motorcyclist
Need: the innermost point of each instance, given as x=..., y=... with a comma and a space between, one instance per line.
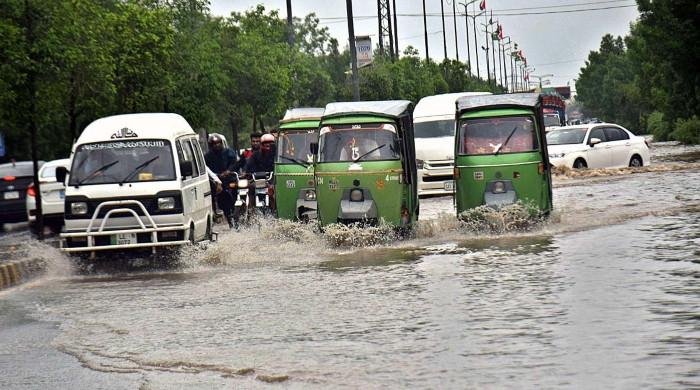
x=254, y=146
x=263, y=160
x=222, y=161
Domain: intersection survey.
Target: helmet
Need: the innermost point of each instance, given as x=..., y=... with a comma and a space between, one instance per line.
x=267, y=138
x=214, y=139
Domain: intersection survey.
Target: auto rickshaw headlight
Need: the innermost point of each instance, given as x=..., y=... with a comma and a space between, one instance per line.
x=499, y=187
x=78, y=208
x=356, y=195
x=166, y=203
x=310, y=195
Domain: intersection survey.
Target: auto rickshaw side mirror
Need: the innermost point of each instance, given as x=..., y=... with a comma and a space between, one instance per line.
x=314, y=148
x=594, y=141
x=61, y=173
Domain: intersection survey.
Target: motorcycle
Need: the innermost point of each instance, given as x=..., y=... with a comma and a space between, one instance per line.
x=252, y=196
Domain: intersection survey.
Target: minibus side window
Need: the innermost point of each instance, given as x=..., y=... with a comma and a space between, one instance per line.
x=198, y=156
x=190, y=153
x=184, y=152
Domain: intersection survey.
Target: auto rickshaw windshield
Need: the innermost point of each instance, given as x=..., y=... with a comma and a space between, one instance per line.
x=366, y=142
x=514, y=134
x=295, y=146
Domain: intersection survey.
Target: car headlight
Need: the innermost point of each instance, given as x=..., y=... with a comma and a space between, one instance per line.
x=499, y=187
x=356, y=195
x=78, y=208
x=419, y=163
x=310, y=195
x=557, y=155
x=167, y=203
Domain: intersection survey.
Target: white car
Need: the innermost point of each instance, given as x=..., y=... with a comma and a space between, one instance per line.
x=596, y=145
x=52, y=195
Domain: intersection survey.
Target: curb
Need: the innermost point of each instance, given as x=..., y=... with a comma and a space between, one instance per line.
x=14, y=273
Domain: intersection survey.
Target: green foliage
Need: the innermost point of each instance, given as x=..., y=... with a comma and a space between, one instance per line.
x=656, y=126
x=687, y=130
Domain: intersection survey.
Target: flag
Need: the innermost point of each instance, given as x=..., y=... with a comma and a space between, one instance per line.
x=482, y=5
x=499, y=29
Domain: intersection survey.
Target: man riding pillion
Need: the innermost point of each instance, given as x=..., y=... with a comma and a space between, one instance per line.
x=263, y=160
x=222, y=161
x=254, y=146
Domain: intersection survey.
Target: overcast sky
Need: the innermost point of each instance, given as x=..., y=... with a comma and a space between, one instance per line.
x=554, y=42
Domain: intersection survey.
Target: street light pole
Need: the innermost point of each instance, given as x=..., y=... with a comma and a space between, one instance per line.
x=486, y=49
x=466, y=29
x=454, y=20
x=353, y=52
x=425, y=32
x=444, y=33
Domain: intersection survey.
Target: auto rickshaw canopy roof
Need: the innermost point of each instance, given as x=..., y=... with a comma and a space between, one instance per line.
x=302, y=113
x=391, y=108
x=511, y=100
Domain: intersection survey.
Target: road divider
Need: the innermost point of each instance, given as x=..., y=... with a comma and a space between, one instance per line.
x=16, y=272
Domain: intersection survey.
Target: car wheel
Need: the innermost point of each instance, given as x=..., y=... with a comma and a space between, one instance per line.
x=636, y=161
x=580, y=163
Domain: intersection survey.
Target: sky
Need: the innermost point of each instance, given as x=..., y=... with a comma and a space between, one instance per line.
x=554, y=41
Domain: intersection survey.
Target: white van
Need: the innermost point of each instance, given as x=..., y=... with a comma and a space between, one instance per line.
x=136, y=181
x=434, y=128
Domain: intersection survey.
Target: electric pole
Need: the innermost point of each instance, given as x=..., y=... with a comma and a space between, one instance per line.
x=353, y=53
x=425, y=32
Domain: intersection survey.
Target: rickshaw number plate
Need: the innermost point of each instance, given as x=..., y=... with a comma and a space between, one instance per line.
x=291, y=183
x=478, y=175
x=449, y=185
x=123, y=239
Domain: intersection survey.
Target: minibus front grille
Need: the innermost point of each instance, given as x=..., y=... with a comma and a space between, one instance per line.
x=149, y=202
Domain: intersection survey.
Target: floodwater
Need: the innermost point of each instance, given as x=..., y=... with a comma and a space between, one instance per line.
x=603, y=295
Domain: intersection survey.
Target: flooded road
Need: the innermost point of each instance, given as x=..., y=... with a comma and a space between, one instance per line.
x=604, y=295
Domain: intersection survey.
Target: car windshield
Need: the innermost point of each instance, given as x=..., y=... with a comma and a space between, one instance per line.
x=19, y=169
x=294, y=147
x=552, y=120
x=434, y=129
x=367, y=141
x=514, y=134
x=566, y=136
x=122, y=161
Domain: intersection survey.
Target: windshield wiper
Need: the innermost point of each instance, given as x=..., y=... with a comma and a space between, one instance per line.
x=97, y=171
x=373, y=150
x=294, y=160
x=506, y=141
x=138, y=168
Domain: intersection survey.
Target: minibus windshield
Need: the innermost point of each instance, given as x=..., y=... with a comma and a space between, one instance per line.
x=294, y=147
x=434, y=129
x=361, y=142
x=515, y=134
x=122, y=162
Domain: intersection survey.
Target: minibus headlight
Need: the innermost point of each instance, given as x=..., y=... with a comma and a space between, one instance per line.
x=310, y=195
x=166, y=203
x=499, y=187
x=419, y=163
x=356, y=195
x=78, y=208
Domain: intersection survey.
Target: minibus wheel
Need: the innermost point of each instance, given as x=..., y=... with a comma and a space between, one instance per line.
x=191, y=236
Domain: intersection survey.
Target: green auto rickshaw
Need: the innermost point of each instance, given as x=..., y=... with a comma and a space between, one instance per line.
x=295, y=194
x=501, y=153
x=365, y=165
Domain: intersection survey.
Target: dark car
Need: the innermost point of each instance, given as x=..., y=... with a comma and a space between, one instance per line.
x=15, y=178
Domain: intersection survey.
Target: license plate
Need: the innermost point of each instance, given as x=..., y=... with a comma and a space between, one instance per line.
x=123, y=239
x=11, y=195
x=449, y=185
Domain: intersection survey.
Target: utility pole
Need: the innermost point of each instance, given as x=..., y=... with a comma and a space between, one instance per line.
x=454, y=20
x=476, y=42
x=505, y=70
x=353, y=53
x=444, y=36
x=425, y=31
x=498, y=48
x=493, y=54
x=396, y=34
x=385, y=29
x=486, y=49
x=290, y=25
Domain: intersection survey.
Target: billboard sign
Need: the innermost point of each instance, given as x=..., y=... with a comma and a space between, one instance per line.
x=363, y=45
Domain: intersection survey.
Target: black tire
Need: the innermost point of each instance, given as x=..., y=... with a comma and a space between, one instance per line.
x=580, y=163
x=191, y=237
x=636, y=162
x=209, y=231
